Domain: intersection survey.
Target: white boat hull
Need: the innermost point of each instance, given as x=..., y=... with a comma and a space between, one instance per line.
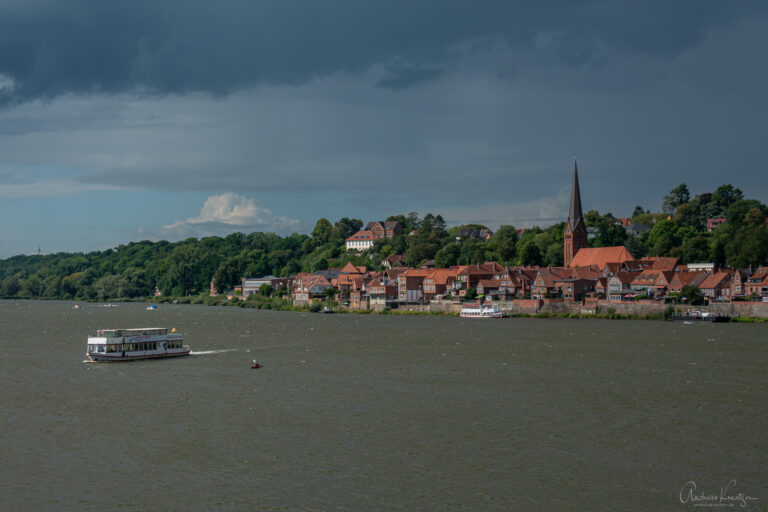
x=481, y=313
x=134, y=356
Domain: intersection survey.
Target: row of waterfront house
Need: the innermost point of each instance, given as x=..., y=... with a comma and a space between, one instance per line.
x=603, y=273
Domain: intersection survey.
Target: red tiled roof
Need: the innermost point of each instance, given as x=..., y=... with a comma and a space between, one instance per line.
x=416, y=272
x=361, y=235
x=349, y=268
x=439, y=275
x=662, y=262
x=689, y=278
x=714, y=280
x=599, y=256
x=586, y=272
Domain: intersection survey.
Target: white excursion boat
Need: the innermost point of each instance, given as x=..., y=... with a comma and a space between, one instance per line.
x=480, y=312
x=132, y=344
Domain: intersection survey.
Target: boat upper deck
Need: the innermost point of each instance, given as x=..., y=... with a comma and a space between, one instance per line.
x=111, y=336
x=144, y=331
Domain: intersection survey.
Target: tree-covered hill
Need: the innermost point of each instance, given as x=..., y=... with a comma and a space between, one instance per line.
x=180, y=268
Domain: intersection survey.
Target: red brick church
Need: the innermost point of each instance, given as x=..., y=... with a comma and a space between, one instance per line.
x=575, y=250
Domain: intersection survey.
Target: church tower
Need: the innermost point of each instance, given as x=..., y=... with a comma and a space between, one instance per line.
x=575, y=236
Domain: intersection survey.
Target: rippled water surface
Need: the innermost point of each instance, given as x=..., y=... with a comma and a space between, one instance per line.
x=360, y=412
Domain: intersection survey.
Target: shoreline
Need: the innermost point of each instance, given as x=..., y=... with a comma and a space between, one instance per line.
x=278, y=304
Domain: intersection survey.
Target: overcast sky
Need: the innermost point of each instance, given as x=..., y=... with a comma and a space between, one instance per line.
x=137, y=120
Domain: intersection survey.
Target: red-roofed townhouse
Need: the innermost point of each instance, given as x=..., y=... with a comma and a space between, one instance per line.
x=526, y=275
x=347, y=274
x=357, y=296
x=654, y=282
x=512, y=285
x=381, y=293
x=470, y=276
x=410, y=285
x=682, y=279
x=620, y=286
x=716, y=285
x=757, y=285
x=308, y=287
x=739, y=281
x=574, y=289
x=601, y=287
x=488, y=287
x=384, y=229
x=544, y=285
x=437, y=282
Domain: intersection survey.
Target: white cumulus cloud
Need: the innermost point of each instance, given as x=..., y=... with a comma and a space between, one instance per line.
x=230, y=208
x=223, y=214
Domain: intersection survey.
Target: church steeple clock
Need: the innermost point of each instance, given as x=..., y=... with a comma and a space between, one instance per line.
x=575, y=236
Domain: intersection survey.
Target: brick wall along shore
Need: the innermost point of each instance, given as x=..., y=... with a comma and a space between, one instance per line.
x=642, y=307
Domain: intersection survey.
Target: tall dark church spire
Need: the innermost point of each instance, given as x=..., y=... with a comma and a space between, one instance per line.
x=575, y=236
x=574, y=214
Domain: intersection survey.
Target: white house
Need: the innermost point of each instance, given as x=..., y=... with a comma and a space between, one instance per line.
x=360, y=241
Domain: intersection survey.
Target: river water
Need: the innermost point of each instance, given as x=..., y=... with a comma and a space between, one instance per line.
x=373, y=412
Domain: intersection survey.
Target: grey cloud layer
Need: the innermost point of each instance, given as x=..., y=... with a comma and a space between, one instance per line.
x=49, y=48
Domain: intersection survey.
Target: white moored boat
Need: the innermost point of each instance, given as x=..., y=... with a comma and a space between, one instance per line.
x=132, y=344
x=480, y=312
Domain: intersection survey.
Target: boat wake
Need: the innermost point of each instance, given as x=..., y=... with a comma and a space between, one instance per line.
x=207, y=352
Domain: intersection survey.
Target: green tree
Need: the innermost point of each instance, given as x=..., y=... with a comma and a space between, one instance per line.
x=322, y=232
x=692, y=295
x=412, y=221
x=346, y=227
x=440, y=228
x=695, y=249
x=677, y=196
x=428, y=224
x=609, y=232
x=229, y=274
x=106, y=287
x=504, y=242
x=421, y=249
x=265, y=290
x=447, y=256
x=635, y=246
x=717, y=251
x=726, y=195
x=662, y=237
x=10, y=287
x=530, y=254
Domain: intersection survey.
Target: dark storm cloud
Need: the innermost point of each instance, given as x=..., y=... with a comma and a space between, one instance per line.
x=402, y=76
x=50, y=48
